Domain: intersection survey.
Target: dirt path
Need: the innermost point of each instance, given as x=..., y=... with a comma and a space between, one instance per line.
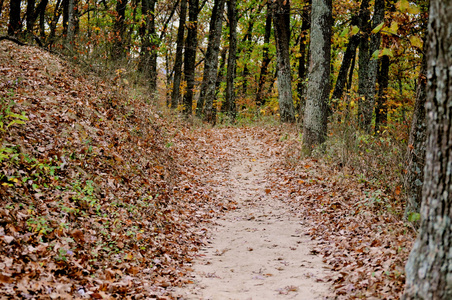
x=260, y=250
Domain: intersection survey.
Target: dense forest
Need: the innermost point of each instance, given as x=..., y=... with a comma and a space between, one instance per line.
x=351, y=76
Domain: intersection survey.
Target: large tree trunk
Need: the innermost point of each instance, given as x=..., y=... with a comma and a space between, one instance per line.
x=175, y=95
x=316, y=113
x=281, y=21
x=265, y=59
x=15, y=24
x=416, y=145
x=190, y=54
x=207, y=93
x=429, y=267
x=232, y=60
x=302, y=62
x=118, y=51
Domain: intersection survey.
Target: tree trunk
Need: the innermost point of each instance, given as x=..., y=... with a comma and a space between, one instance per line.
x=29, y=16
x=281, y=21
x=265, y=59
x=429, y=266
x=349, y=54
x=1, y=7
x=381, y=110
x=363, y=62
x=315, y=119
x=148, y=60
x=232, y=60
x=71, y=23
x=175, y=95
x=54, y=21
x=416, y=144
x=301, y=82
x=368, y=66
x=15, y=24
x=190, y=54
x=207, y=93
x=118, y=51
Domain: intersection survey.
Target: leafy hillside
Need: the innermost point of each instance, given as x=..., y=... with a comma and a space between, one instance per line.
x=89, y=201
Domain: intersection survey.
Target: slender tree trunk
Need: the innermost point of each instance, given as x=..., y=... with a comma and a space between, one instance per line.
x=148, y=60
x=281, y=20
x=381, y=110
x=302, y=70
x=175, y=95
x=118, y=51
x=416, y=144
x=54, y=21
x=65, y=4
x=368, y=66
x=363, y=62
x=207, y=93
x=265, y=59
x=1, y=7
x=315, y=119
x=71, y=23
x=232, y=60
x=15, y=24
x=429, y=266
x=191, y=44
x=349, y=54
x=30, y=16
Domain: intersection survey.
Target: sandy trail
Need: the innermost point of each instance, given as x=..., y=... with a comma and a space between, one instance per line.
x=260, y=250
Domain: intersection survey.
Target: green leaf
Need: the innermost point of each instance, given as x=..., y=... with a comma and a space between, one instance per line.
x=416, y=42
x=375, y=54
x=345, y=32
x=355, y=30
x=386, y=51
x=403, y=5
x=413, y=217
x=378, y=28
x=394, y=28
x=413, y=9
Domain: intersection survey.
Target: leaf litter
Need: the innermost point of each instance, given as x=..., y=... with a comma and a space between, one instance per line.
x=103, y=198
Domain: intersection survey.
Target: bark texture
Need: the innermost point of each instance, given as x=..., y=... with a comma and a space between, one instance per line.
x=316, y=113
x=175, y=94
x=207, y=93
x=416, y=146
x=190, y=54
x=232, y=60
x=429, y=267
x=281, y=21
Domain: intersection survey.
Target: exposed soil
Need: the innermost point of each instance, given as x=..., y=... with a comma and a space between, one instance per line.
x=261, y=249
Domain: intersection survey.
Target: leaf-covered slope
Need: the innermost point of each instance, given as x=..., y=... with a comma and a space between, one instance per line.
x=86, y=186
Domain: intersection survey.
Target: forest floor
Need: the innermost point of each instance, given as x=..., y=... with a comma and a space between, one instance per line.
x=102, y=196
x=259, y=250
